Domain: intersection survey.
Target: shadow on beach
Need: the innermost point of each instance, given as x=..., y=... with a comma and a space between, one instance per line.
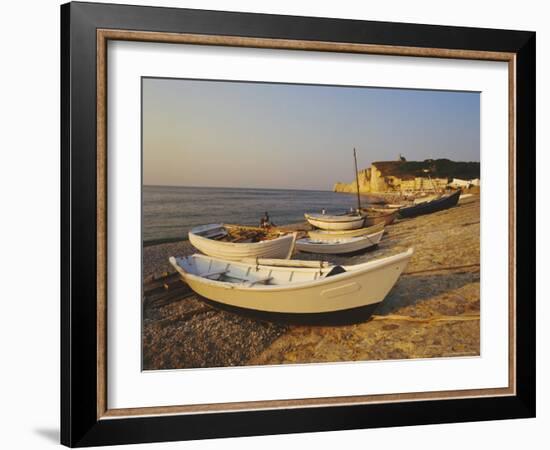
x=413, y=290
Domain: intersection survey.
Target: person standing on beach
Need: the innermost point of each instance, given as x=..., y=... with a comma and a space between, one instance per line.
x=265, y=222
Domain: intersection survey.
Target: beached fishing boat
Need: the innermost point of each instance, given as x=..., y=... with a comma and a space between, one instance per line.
x=308, y=291
x=374, y=216
x=329, y=235
x=350, y=221
x=438, y=204
x=335, y=222
x=338, y=246
x=209, y=240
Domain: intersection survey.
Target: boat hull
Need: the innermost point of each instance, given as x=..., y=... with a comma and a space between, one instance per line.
x=328, y=223
x=332, y=318
x=335, y=247
x=430, y=206
x=385, y=218
x=281, y=247
x=329, y=235
x=360, y=285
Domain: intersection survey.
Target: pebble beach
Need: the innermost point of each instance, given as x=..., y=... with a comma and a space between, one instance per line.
x=432, y=311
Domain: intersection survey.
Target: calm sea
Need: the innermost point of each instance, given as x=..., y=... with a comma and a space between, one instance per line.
x=170, y=212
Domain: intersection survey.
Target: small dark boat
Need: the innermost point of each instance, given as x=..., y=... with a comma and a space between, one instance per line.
x=438, y=204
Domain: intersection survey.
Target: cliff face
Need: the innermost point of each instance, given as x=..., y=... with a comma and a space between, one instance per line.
x=350, y=188
x=364, y=184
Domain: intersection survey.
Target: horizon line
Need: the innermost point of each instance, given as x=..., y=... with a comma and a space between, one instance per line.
x=236, y=187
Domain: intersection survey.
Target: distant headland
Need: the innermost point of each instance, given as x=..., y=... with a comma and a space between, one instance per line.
x=411, y=176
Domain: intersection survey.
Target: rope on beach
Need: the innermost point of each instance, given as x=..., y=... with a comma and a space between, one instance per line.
x=437, y=269
x=461, y=318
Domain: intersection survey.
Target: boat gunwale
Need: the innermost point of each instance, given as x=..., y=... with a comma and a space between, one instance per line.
x=351, y=272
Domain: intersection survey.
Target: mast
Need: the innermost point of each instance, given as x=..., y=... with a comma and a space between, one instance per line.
x=427, y=172
x=357, y=181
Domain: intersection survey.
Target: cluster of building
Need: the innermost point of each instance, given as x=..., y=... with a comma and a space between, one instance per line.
x=414, y=176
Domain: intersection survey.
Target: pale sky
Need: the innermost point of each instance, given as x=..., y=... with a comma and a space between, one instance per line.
x=268, y=135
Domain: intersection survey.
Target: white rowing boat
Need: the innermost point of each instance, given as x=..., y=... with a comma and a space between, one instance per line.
x=338, y=246
x=291, y=290
x=333, y=222
x=330, y=235
x=203, y=238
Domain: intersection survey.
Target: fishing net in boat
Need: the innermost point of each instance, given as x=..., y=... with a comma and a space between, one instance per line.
x=249, y=234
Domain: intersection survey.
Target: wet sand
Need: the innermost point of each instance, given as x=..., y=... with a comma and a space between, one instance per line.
x=432, y=311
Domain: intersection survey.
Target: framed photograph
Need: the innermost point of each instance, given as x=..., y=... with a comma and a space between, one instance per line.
x=278, y=224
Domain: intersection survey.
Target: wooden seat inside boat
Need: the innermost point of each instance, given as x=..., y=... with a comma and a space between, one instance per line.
x=257, y=281
x=246, y=281
x=214, y=273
